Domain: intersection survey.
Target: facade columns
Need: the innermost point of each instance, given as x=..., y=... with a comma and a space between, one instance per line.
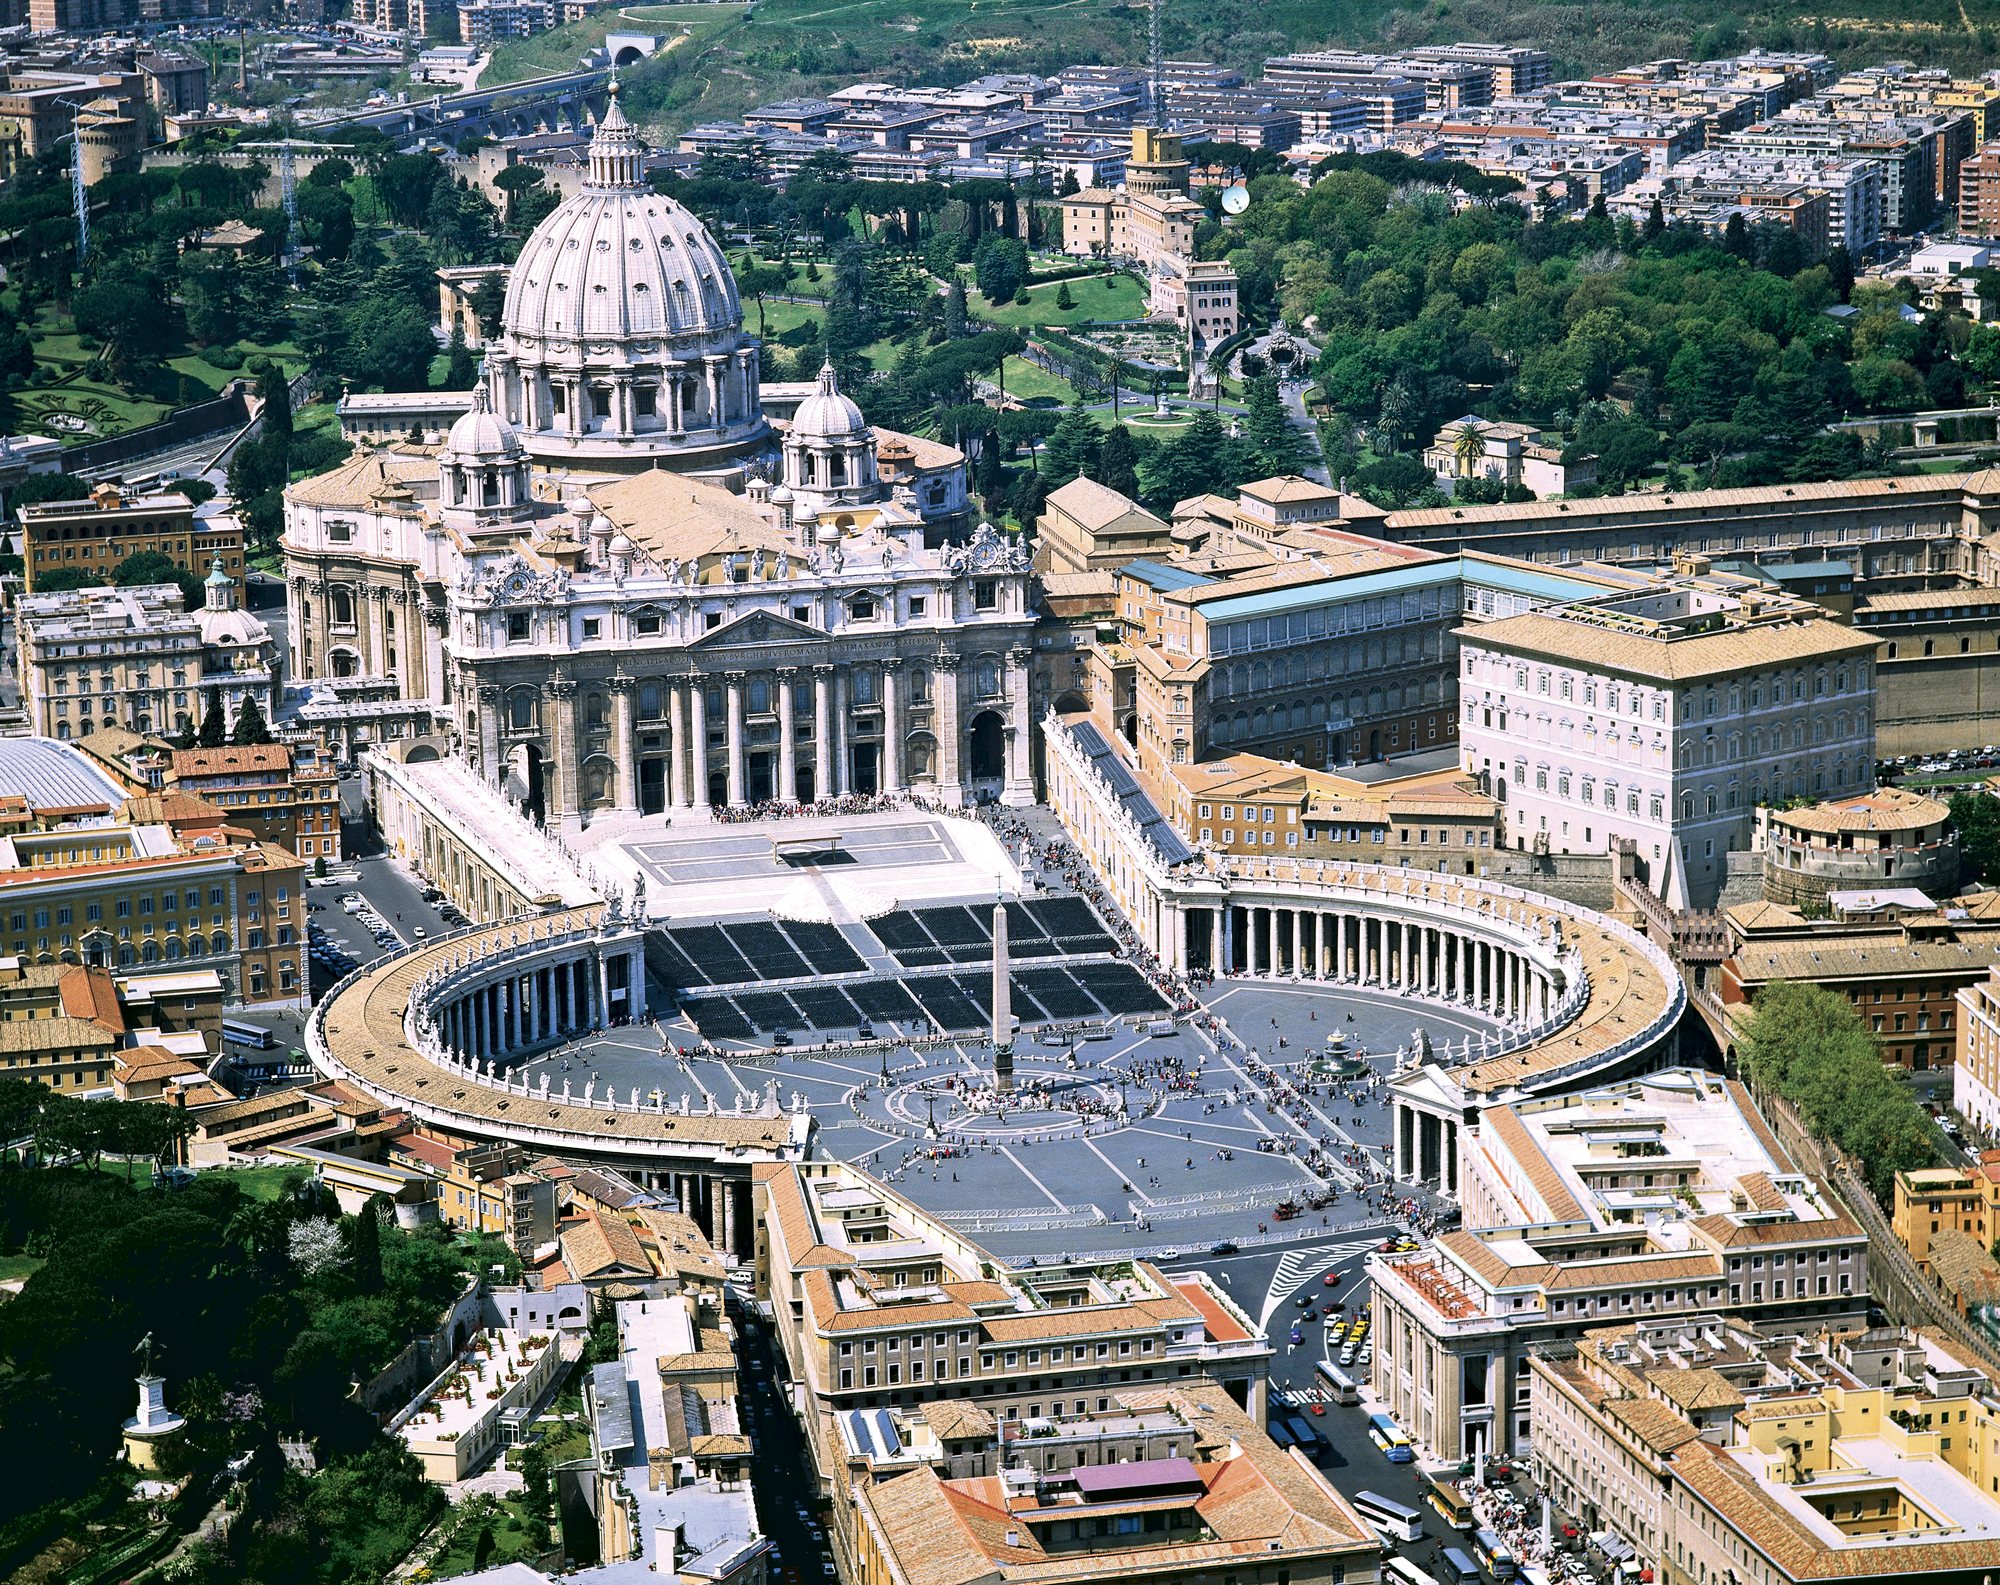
x=698, y=741
x=891, y=777
x=733, y=682
x=1020, y=783
x=1252, y=943
x=788, y=754
x=621, y=729
x=822, y=732
x=569, y=792
x=1226, y=931
x=843, y=769
x=1298, y=943
x=712, y=367
x=944, y=706
x=489, y=734
x=677, y=776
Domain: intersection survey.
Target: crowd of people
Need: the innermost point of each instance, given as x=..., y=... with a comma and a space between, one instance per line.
x=846, y=804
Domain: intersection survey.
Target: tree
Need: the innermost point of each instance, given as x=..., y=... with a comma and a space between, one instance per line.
x=999, y=268
x=48, y=487
x=154, y=567
x=460, y=369
x=1275, y=446
x=57, y=579
x=316, y=1247
x=125, y=317
x=1811, y=1046
x=364, y=1248
x=1064, y=302
x=1069, y=449
x=515, y=181
x=250, y=727
x=1117, y=465
x=214, y=724
x=1976, y=818
x=537, y=1495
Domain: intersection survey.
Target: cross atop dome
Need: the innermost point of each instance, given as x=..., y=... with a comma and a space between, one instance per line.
x=615, y=149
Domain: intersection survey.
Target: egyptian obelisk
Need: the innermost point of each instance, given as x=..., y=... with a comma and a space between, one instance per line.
x=1003, y=1012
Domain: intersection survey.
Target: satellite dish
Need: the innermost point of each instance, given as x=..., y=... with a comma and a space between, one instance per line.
x=1235, y=199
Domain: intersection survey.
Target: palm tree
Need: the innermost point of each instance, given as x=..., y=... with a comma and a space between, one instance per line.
x=1468, y=447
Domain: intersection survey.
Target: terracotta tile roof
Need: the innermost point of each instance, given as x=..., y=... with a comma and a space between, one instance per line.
x=91, y=994
x=1520, y=1142
x=1729, y=1234
x=1487, y=1263
x=596, y=1245
x=232, y=759
x=1633, y=1271
x=1680, y=659
x=953, y=1420
x=1695, y=1389
x=1653, y=1423
x=1219, y=1324
x=1761, y=1192
x=1754, y=1119
x=1884, y=809
x=1093, y=505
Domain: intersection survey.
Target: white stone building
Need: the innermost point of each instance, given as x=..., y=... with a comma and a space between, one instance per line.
x=641, y=598
x=132, y=657
x=1664, y=717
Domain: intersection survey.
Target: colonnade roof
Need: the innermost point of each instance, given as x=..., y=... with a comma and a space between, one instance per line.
x=1634, y=989
x=364, y=1035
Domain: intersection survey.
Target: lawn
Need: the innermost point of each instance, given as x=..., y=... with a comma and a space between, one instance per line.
x=560, y=49
x=1026, y=381
x=1116, y=296
x=263, y=1183
x=14, y=1267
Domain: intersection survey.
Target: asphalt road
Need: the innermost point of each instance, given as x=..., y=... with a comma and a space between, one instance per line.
x=785, y=1483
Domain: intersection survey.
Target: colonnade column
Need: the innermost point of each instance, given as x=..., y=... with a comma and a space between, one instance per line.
x=733, y=681
x=788, y=754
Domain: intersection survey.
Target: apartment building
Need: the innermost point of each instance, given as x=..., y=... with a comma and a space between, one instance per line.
x=81, y=1029
x=878, y=1306
x=1265, y=808
x=1172, y=1484
x=96, y=534
x=1932, y=1203
x=1720, y=1450
x=1902, y=968
x=487, y=1188
x=1659, y=1197
x=79, y=884
x=270, y=790
x=1663, y=718
x=1976, y=1052
x=134, y=658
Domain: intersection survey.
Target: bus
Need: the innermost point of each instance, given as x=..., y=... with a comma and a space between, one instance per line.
x=1449, y=1501
x=1388, y=1436
x=1492, y=1554
x=1401, y=1568
x=1279, y=1436
x=241, y=1034
x=1340, y=1387
x=1304, y=1432
x=1459, y=1569
x=1391, y=1518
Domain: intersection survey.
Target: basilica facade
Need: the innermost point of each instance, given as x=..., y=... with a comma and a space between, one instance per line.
x=621, y=588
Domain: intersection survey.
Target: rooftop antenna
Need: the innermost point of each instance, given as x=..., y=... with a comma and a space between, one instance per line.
x=1156, y=11
x=79, y=192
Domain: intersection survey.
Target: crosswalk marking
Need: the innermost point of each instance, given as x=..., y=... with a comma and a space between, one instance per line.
x=1299, y=1266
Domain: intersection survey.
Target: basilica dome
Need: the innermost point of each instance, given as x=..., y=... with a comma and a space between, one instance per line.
x=622, y=343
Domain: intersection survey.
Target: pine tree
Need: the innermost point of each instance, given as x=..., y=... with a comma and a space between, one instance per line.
x=460, y=367
x=1117, y=465
x=214, y=724
x=251, y=728
x=364, y=1248
x=1069, y=448
x=276, y=393
x=1064, y=302
x=955, y=309
x=1267, y=427
x=536, y=1496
